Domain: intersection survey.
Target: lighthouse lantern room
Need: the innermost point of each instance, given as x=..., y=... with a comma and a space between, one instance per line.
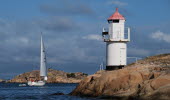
x=116, y=41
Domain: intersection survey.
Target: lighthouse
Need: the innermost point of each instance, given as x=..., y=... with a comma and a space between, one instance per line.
x=116, y=39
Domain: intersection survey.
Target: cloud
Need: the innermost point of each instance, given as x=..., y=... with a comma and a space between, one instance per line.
x=93, y=37
x=20, y=45
x=158, y=35
x=70, y=37
x=138, y=52
x=29, y=59
x=63, y=24
x=118, y=3
x=70, y=49
x=17, y=40
x=67, y=9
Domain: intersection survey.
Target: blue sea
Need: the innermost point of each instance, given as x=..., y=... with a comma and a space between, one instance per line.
x=12, y=91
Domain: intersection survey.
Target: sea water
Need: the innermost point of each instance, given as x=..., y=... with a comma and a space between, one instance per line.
x=12, y=91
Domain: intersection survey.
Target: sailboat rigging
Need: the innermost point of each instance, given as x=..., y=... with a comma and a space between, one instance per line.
x=43, y=68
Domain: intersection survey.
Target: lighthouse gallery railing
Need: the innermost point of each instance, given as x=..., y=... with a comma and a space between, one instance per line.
x=125, y=37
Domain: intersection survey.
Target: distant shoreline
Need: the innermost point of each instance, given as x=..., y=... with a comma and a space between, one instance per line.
x=54, y=76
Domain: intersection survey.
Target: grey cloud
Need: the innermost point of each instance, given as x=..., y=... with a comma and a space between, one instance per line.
x=69, y=48
x=68, y=42
x=147, y=41
x=20, y=45
x=63, y=24
x=160, y=36
x=67, y=9
x=93, y=37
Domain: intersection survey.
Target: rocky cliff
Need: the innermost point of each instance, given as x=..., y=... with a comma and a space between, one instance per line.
x=54, y=76
x=147, y=79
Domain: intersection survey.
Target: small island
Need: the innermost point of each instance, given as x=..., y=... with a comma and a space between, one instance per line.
x=54, y=76
x=2, y=80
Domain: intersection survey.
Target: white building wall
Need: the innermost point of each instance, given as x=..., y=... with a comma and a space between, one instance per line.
x=116, y=54
x=116, y=30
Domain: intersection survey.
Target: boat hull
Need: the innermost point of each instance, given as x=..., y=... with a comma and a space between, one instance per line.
x=39, y=83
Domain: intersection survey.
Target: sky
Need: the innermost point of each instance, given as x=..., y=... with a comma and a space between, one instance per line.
x=72, y=32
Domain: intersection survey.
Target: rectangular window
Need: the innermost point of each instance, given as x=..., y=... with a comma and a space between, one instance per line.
x=115, y=21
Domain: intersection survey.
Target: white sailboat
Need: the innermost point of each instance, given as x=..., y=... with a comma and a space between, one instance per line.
x=43, y=68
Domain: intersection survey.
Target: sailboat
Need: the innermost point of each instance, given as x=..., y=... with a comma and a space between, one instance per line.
x=43, y=68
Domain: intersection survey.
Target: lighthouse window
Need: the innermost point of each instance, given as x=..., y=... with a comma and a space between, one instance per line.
x=115, y=21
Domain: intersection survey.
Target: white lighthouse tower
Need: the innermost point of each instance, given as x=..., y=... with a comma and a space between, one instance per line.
x=116, y=41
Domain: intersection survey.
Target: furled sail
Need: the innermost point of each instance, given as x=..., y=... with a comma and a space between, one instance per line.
x=43, y=69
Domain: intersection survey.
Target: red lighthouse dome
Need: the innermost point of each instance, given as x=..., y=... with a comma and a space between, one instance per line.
x=116, y=16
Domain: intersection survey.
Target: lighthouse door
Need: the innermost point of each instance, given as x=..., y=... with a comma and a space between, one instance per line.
x=122, y=56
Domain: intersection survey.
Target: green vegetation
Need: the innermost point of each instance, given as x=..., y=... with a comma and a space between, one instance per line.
x=85, y=74
x=71, y=75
